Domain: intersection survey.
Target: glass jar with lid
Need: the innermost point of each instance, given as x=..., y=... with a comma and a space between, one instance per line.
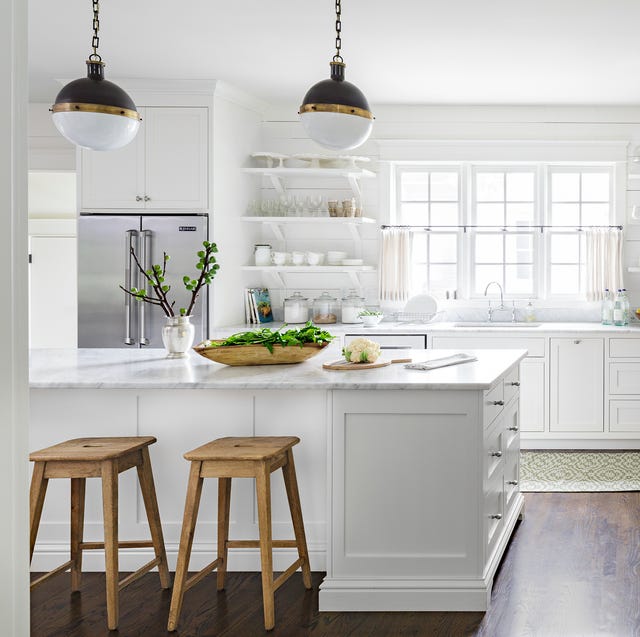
x=352, y=305
x=296, y=309
x=262, y=254
x=325, y=309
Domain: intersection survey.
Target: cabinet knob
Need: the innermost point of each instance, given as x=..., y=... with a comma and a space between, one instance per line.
x=577, y=341
x=498, y=402
x=146, y=198
x=515, y=383
x=496, y=454
x=138, y=198
x=496, y=516
x=513, y=482
x=514, y=428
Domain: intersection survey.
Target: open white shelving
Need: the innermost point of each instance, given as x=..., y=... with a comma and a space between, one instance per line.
x=276, y=271
x=278, y=176
x=276, y=224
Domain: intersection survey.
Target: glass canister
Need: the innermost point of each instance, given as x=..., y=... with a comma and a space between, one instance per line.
x=296, y=309
x=262, y=254
x=325, y=309
x=352, y=305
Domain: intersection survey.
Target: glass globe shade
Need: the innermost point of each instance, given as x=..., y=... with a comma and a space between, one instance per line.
x=337, y=131
x=96, y=131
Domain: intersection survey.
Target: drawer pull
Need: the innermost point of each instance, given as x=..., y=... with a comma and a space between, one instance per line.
x=146, y=198
x=498, y=402
x=496, y=516
x=514, y=428
x=513, y=482
x=138, y=198
x=577, y=342
x=515, y=383
x=496, y=454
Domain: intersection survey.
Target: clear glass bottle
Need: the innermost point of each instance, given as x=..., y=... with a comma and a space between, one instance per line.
x=618, y=309
x=352, y=305
x=625, y=307
x=296, y=309
x=262, y=254
x=529, y=312
x=607, y=308
x=325, y=309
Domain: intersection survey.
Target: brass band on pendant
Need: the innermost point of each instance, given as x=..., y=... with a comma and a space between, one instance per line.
x=336, y=108
x=79, y=107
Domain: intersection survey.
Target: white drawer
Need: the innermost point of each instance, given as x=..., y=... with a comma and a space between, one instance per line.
x=511, y=384
x=624, y=378
x=624, y=415
x=534, y=345
x=493, y=451
x=392, y=341
x=493, y=403
x=624, y=347
x=493, y=511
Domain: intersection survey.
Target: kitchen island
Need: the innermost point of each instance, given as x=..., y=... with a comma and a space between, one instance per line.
x=408, y=478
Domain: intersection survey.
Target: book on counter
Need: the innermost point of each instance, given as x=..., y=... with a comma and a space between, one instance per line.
x=258, y=305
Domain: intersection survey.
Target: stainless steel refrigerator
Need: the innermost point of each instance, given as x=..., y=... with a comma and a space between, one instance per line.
x=107, y=317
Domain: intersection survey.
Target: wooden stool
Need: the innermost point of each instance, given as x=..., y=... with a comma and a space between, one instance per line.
x=99, y=458
x=228, y=458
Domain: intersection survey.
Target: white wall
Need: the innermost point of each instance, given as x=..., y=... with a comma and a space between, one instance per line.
x=14, y=530
x=284, y=133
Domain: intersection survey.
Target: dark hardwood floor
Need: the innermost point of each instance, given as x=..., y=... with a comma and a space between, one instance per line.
x=572, y=569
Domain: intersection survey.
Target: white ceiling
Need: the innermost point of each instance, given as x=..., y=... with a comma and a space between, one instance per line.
x=398, y=51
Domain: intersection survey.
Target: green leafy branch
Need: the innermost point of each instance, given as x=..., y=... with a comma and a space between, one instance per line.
x=158, y=289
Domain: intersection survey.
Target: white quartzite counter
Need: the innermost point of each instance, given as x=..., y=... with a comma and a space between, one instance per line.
x=408, y=479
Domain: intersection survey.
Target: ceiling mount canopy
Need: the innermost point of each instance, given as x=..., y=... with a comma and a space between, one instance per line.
x=334, y=112
x=92, y=112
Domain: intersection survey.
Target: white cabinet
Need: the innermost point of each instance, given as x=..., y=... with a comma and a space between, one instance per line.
x=624, y=385
x=577, y=382
x=53, y=299
x=390, y=341
x=164, y=168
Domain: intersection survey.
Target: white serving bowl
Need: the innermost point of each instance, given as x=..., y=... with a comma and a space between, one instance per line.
x=371, y=320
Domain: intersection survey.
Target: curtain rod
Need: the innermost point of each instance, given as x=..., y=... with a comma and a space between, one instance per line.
x=503, y=228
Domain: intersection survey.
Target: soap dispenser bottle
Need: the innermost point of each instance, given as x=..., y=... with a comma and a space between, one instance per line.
x=529, y=312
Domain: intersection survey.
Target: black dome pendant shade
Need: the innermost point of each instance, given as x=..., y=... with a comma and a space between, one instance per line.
x=92, y=112
x=334, y=112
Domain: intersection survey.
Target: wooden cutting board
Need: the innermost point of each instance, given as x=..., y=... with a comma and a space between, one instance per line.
x=343, y=365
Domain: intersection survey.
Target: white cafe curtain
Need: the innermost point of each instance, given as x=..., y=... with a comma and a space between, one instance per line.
x=603, y=261
x=395, y=264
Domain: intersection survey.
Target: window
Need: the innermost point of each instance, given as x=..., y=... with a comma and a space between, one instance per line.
x=519, y=225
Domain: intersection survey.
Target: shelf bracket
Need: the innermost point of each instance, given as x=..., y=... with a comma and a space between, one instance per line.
x=355, y=281
x=277, y=184
x=355, y=186
x=277, y=277
x=276, y=229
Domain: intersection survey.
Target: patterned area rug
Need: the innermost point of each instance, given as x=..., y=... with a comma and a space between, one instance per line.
x=580, y=471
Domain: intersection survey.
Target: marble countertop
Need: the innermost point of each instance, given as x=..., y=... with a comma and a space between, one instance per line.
x=150, y=369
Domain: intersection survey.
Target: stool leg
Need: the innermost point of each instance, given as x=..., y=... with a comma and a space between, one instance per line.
x=36, y=501
x=291, y=485
x=224, y=502
x=191, y=505
x=145, y=477
x=263, y=488
x=110, y=512
x=77, y=530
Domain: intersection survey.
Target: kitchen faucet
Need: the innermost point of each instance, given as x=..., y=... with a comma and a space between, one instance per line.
x=490, y=310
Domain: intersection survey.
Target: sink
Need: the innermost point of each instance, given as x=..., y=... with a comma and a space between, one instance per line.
x=495, y=324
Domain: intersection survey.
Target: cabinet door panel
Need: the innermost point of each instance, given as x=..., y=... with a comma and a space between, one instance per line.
x=577, y=381
x=533, y=415
x=113, y=179
x=176, y=158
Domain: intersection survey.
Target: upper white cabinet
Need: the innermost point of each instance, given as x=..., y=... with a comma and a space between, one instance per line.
x=164, y=168
x=577, y=373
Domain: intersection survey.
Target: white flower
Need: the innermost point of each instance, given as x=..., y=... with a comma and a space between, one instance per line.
x=361, y=350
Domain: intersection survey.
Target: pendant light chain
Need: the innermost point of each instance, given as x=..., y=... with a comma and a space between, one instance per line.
x=337, y=57
x=95, y=41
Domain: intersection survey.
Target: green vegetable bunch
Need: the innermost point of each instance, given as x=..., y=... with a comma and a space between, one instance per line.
x=370, y=313
x=158, y=289
x=267, y=337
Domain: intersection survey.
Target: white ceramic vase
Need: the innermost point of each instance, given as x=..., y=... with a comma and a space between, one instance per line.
x=177, y=335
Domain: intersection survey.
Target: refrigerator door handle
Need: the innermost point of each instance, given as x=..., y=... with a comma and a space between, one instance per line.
x=145, y=258
x=131, y=240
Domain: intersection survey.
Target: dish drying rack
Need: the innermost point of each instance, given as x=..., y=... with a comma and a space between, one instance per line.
x=413, y=317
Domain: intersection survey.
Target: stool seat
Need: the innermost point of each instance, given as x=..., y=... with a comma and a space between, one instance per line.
x=243, y=457
x=91, y=449
x=103, y=458
x=242, y=448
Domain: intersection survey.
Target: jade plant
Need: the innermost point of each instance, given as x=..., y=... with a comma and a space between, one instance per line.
x=156, y=290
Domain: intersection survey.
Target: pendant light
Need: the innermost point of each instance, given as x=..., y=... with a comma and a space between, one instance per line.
x=92, y=112
x=334, y=112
